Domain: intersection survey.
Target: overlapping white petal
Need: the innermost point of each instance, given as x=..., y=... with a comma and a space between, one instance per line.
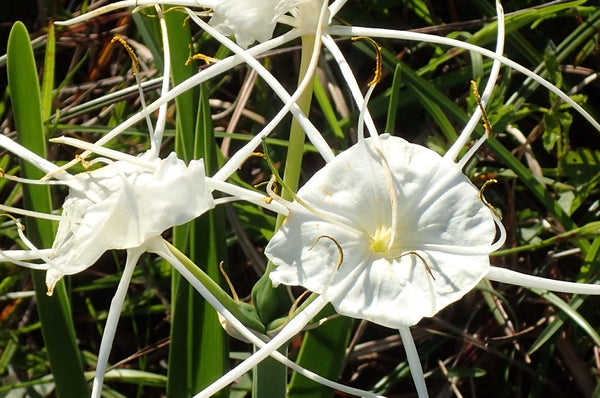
x=441, y=219
x=122, y=205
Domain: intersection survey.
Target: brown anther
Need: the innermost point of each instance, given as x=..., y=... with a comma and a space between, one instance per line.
x=135, y=66
x=483, y=200
x=339, y=247
x=378, y=59
x=486, y=122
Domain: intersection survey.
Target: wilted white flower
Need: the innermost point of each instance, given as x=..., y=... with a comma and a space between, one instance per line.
x=118, y=206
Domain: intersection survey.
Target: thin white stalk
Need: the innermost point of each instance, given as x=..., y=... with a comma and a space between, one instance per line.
x=112, y=320
x=289, y=102
x=459, y=144
x=156, y=139
x=157, y=246
x=335, y=7
x=109, y=153
x=333, y=48
x=294, y=326
x=33, y=182
x=423, y=37
x=247, y=195
x=23, y=254
x=137, y=4
x=414, y=362
x=504, y=275
x=202, y=76
x=31, y=213
x=36, y=160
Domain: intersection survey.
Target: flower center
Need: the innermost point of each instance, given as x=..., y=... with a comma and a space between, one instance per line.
x=380, y=242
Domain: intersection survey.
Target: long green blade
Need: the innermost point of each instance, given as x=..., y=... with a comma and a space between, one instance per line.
x=54, y=312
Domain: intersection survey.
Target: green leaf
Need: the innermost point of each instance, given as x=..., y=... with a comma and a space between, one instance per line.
x=54, y=312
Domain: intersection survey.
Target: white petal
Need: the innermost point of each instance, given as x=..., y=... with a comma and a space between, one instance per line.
x=440, y=217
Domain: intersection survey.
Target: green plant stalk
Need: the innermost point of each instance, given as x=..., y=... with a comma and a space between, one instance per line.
x=55, y=311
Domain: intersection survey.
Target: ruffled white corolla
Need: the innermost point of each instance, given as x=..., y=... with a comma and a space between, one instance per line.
x=255, y=20
x=405, y=251
x=121, y=206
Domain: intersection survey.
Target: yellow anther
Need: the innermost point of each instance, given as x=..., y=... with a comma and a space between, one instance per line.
x=486, y=122
x=2, y=173
x=484, y=201
x=378, y=59
x=194, y=57
x=135, y=64
x=340, y=251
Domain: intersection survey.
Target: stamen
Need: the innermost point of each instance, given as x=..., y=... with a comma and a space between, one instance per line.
x=414, y=253
x=231, y=288
x=429, y=281
x=378, y=58
x=276, y=178
x=483, y=200
x=135, y=64
x=340, y=251
x=135, y=67
x=486, y=122
x=199, y=56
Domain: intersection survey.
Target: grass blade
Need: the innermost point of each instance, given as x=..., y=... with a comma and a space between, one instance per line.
x=54, y=312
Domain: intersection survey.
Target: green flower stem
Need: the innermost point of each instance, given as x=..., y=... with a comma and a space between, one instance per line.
x=293, y=163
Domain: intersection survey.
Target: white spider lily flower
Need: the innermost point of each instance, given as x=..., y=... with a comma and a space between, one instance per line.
x=122, y=205
x=389, y=266
x=119, y=206
x=255, y=20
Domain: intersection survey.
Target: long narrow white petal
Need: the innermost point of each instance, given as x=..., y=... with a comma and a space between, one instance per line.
x=22, y=255
x=32, y=158
x=487, y=92
x=504, y=275
x=336, y=6
x=135, y=3
x=109, y=153
x=113, y=320
x=35, y=214
x=162, y=111
x=423, y=37
x=351, y=81
x=414, y=362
